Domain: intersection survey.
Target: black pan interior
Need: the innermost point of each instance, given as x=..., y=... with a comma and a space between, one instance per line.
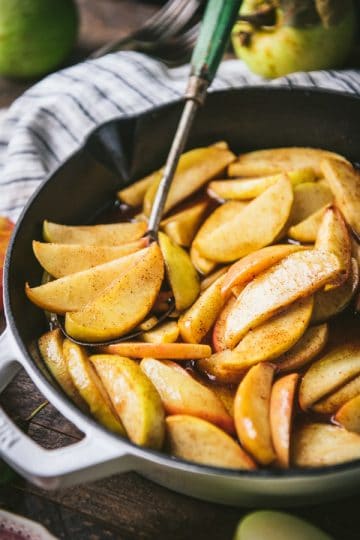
x=123, y=150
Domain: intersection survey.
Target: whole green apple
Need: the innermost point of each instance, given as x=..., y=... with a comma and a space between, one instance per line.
x=307, y=35
x=35, y=35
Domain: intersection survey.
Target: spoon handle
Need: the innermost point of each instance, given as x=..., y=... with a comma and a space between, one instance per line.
x=219, y=18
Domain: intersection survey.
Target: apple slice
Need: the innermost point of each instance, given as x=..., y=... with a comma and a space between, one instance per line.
x=218, y=334
x=308, y=198
x=73, y=292
x=215, y=367
x=195, y=168
x=306, y=231
x=175, y=351
x=6, y=228
x=344, y=182
x=277, y=160
x=134, y=398
x=252, y=413
x=182, y=276
x=331, y=403
x=202, y=265
x=226, y=394
x=348, y=416
x=195, y=323
x=333, y=236
x=281, y=413
x=308, y=347
x=167, y=332
x=51, y=349
x=327, y=374
x=211, y=278
x=248, y=230
x=134, y=194
x=194, y=439
x=60, y=260
x=253, y=264
x=298, y=275
x=273, y=337
x=182, y=226
x=181, y=394
x=218, y=218
x=331, y=302
x=249, y=188
x=318, y=445
x=90, y=387
x=111, y=234
x=123, y=304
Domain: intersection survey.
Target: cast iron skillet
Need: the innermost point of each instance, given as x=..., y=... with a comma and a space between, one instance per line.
x=119, y=152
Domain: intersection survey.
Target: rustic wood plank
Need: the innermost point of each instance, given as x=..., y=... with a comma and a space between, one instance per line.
x=59, y=520
x=22, y=397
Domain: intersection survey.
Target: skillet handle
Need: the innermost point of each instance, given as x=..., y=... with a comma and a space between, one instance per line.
x=89, y=459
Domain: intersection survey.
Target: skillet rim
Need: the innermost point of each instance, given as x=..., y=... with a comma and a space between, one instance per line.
x=136, y=451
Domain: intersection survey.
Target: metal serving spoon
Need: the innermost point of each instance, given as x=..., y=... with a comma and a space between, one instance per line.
x=219, y=18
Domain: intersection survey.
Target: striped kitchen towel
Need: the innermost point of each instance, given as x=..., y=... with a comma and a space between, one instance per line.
x=53, y=118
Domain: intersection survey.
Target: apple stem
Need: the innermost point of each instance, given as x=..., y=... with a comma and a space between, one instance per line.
x=265, y=16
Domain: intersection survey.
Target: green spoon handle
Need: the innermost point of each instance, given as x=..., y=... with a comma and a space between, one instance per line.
x=218, y=20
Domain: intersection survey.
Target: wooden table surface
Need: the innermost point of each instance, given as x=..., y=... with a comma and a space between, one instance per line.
x=124, y=507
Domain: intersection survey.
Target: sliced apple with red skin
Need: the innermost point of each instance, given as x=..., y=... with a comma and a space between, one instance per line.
x=134, y=195
x=181, y=273
x=348, y=416
x=308, y=347
x=123, y=304
x=195, y=323
x=175, y=351
x=110, y=234
x=196, y=440
x=182, y=394
x=253, y=264
x=333, y=236
x=306, y=231
x=182, y=226
x=249, y=230
x=167, y=332
x=275, y=336
x=218, y=334
x=327, y=374
x=134, y=398
x=298, y=275
x=344, y=182
x=319, y=445
x=332, y=402
x=73, y=292
x=277, y=160
x=249, y=188
x=6, y=228
x=60, y=260
x=215, y=367
x=90, y=387
x=195, y=168
x=51, y=349
x=202, y=265
x=328, y=303
x=252, y=413
x=281, y=413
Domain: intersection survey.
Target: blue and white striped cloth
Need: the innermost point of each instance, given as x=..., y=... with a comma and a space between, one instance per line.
x=52, y=119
